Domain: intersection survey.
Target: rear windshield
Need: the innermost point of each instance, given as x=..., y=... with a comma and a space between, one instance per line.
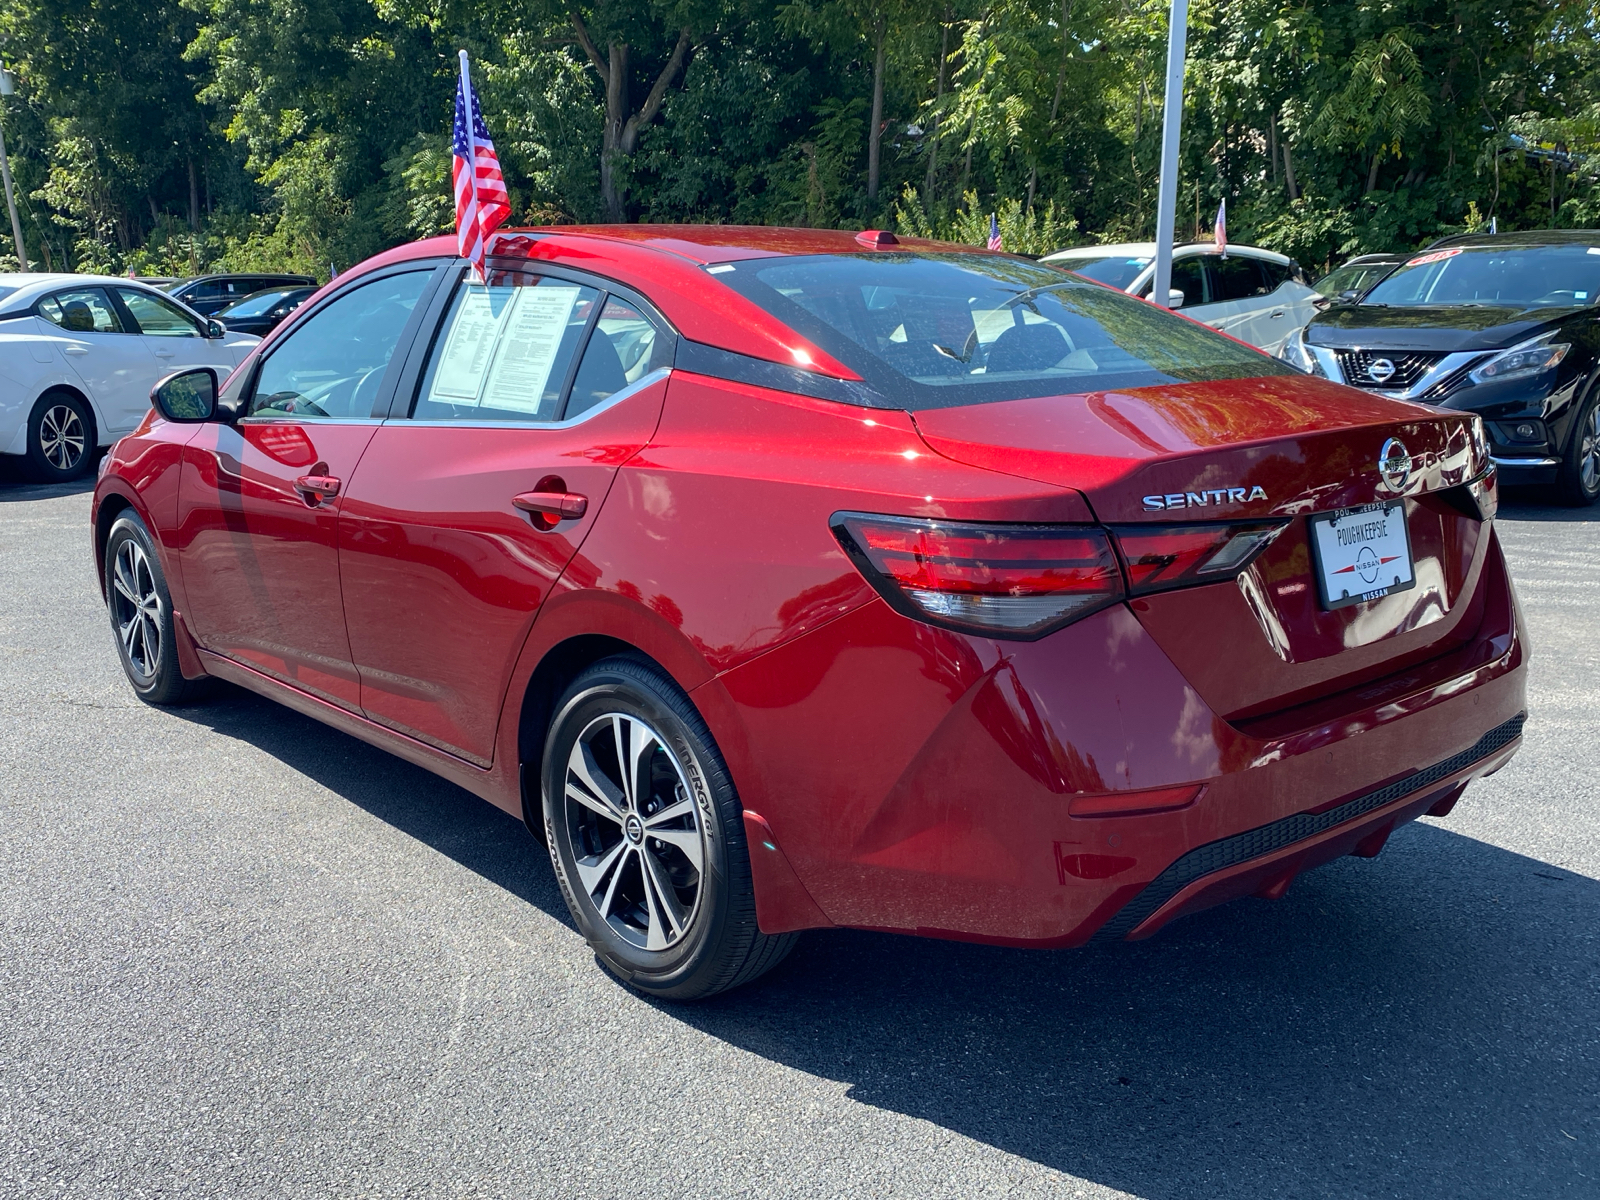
x=941, y=330
x=254, y=306
x=1117, y=270
x=1509, y=276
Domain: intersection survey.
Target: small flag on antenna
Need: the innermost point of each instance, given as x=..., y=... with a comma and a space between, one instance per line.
x=1219, y=231
x=994, y=233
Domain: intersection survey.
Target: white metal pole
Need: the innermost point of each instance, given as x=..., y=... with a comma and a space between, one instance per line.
x=6, y=89
x=1171, y=127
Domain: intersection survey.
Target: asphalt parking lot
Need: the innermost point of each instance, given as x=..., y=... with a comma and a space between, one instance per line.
x=243, y=955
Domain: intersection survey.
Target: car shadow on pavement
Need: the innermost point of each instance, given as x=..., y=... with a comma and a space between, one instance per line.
x=1531, y=504
x=1426, y=1025
x=418, y=803
x=15, y=485
x=1423, y=1025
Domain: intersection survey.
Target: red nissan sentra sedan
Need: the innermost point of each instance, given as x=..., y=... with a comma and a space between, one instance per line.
x=782, y=579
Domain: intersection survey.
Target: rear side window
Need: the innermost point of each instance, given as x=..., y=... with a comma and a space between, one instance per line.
x=1276, y=274
x=331, y=366
x=82, y=310
x=939, y=330
x=624, y=347
x=505, y=350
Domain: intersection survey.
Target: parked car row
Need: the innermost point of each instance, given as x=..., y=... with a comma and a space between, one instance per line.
x=1504, y=325
x=79, y=355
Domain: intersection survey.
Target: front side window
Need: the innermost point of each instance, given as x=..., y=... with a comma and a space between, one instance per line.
x=943, y=329
x=1237, y=278
x=158, y=317
x=1188, y=278
x=505, y=350
x=332, y=364
x=82, y=310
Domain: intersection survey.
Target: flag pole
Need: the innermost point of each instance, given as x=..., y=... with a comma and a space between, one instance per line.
x=472, y=137
x=1171, y=127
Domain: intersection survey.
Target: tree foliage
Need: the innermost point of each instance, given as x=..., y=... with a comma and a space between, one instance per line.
x=177, y=135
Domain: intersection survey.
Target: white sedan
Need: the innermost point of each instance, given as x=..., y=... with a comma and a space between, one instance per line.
x=1258, y=296
x=78, y=357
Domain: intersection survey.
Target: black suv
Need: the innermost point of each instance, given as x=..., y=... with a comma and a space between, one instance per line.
x=1503, y=325
x=209, y=293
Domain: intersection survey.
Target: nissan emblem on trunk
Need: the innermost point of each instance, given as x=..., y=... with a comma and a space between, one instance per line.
x=1394, y=464
x=1381, y=370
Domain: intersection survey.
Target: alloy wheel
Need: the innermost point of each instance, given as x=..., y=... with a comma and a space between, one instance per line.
x=136, y=609
x=637, y=839
x=1589, y=453
x=62, y=437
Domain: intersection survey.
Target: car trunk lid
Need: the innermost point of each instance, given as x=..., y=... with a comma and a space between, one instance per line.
x=1280, y=447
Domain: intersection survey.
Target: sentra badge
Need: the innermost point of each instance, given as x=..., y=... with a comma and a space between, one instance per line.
x=1204, y=499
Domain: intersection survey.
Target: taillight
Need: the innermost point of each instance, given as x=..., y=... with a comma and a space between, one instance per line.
x=1024, y=581
x=1159, y=557
x=1019, y=581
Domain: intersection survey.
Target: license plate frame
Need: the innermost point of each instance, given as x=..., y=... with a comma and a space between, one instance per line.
x=1333, y=556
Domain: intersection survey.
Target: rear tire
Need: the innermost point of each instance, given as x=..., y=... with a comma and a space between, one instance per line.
x=142, y=625
x=61, y=438
x=646, y=833
x=1578, y=483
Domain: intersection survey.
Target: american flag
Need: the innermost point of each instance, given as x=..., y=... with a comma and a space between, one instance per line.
x=482, y=204
x=994, y=233
x=1219, y=228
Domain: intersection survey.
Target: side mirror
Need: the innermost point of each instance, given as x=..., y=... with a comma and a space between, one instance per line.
x=215, y=330
x=1348, y=296
x=1175, y=298
x=188, y=397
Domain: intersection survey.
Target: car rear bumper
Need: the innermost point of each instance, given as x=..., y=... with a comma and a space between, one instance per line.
x=920, y=781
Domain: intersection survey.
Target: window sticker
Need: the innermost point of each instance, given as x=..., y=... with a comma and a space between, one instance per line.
x=1436, y=256
x=471, y=342
x=502, y=347
x=534, y=325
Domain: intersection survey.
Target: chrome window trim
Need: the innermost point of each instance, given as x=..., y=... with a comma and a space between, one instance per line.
x=616, y=397
x=291, y=419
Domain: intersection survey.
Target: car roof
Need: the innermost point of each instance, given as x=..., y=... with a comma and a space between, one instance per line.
x=1524, y=237
x=1148, y=250
x=1371, y=260
x=712, y=244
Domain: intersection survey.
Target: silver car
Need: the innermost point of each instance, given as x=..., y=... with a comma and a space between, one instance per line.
x=1258, y=296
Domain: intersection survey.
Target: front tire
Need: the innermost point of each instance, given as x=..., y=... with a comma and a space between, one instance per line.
x=60, y=438
x=140, y=607
x=646, y=833
x=1578, y=483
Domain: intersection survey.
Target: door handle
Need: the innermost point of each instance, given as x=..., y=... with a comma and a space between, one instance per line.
x=163, y=353
x=75, y=350
x=1278, y=313
x=323, y=487
x=563, y=506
